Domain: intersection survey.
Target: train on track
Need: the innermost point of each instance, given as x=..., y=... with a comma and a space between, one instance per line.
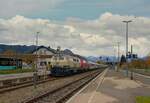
x=64, y=65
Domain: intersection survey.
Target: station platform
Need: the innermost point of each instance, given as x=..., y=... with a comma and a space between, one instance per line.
x=20, y=75
x=112, y=87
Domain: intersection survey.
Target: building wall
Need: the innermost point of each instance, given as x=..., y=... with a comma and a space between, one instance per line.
x=43, y=63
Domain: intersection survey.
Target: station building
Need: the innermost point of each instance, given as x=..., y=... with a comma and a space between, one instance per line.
x=43, y=56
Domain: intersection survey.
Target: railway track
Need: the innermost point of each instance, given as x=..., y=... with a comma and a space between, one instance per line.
x=62, y=93
x=25, y=84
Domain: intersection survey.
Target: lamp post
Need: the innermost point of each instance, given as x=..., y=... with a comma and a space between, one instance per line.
x=127, y=22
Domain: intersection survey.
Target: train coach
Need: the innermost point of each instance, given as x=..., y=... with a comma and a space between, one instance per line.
x=64, y=65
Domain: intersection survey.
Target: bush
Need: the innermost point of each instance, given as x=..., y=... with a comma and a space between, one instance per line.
x=142, y=99
x=138, y=64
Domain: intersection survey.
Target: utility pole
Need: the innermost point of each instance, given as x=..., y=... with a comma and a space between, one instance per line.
x=131, y=77
x=37, y=37
x=127, y=22
x=36, y=65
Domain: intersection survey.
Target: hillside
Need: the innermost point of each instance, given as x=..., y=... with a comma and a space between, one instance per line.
x=17, y=48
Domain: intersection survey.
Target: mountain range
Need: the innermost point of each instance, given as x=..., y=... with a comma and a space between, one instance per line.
x=102, y=58
x=17, y=48
x=29, y=49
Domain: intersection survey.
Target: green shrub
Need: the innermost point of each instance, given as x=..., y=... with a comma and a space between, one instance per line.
x=142, y=99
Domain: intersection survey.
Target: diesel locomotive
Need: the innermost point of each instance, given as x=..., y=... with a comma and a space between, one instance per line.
x=64, y=65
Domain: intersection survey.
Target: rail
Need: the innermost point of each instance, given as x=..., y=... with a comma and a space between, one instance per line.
x=60, y=94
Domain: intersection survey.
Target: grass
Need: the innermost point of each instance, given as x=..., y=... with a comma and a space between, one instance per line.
x=14, y=71
x=142, y=99
x=142, y=71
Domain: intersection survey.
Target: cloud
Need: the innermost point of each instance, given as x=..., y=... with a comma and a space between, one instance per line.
x=85, y=37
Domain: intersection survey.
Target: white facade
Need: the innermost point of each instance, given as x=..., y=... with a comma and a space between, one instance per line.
x=43, y=63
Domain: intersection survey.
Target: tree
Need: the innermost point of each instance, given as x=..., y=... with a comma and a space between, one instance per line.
x=147, y=61
x=9, y=53
x=139, y=64
x=123, y=60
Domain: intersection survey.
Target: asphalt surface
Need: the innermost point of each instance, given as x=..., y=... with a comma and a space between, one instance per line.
x=113, y=87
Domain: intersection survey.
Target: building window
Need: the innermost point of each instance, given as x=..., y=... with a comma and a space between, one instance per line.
x=44, y=52
x=61, y=58
x=40, y=52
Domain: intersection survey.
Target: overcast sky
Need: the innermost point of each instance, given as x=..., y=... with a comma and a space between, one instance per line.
x=87, y=27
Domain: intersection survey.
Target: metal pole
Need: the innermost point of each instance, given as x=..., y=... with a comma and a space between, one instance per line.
x=127, y=44
x=127, y=39
x=113, y=61
x=36, y=65
x=36, y=50
x=131, y=61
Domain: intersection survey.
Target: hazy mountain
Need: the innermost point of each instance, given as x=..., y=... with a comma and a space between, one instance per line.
x=29, y=49
x=17, y=48
x=102, y=58
x=67, y=51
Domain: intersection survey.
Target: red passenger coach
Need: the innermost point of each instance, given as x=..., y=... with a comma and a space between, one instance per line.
x=83, y=64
